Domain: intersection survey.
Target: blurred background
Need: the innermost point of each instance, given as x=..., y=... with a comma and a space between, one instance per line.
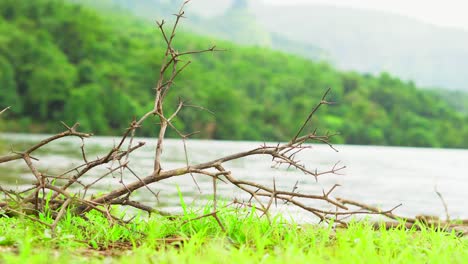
x=397, y=69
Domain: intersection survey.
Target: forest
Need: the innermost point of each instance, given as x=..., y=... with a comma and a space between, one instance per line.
x=64, y=62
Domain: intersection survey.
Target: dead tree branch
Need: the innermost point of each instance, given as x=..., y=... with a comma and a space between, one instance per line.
x=67, y=191
x=4, y=110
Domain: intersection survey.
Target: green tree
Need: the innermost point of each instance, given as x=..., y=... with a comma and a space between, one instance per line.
x=83, y=107
x=9, y=95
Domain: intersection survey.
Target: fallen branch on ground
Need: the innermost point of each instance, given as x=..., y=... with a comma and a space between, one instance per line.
x=55, y=193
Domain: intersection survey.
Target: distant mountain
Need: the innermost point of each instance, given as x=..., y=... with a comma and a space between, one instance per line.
x=351, y=39
x=228, y=20
x=372, y=41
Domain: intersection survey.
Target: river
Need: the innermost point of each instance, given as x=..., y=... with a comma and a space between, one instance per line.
x=379, y=176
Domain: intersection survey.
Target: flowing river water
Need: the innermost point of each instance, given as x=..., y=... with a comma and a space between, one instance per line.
x=379, y=176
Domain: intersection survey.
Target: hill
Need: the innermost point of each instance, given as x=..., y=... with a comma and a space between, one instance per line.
x=373, y=41
x=60, y=61
x=224, y=20
x=366, y=41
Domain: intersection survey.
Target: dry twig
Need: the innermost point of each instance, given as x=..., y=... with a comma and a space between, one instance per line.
x=64, y=197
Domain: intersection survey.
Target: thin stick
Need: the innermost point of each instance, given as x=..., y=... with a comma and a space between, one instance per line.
x=322, y=102
x=60, y=215
x=447, y=216
x=4, y=110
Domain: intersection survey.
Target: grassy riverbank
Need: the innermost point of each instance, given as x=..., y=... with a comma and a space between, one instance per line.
x=247, y=239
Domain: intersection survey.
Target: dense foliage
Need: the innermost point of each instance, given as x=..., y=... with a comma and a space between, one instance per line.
x=60, y=61
x=367, y=41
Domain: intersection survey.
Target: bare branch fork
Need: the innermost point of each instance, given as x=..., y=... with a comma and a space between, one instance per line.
x=69, y=192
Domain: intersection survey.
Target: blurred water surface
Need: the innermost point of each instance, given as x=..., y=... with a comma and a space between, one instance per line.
x=380, y=176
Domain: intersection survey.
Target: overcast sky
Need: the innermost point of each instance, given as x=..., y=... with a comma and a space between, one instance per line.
x=452, y=13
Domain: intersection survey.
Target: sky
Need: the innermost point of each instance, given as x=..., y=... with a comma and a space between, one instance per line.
x=451, y=13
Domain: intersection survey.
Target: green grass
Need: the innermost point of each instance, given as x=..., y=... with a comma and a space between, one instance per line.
x=248, y=239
